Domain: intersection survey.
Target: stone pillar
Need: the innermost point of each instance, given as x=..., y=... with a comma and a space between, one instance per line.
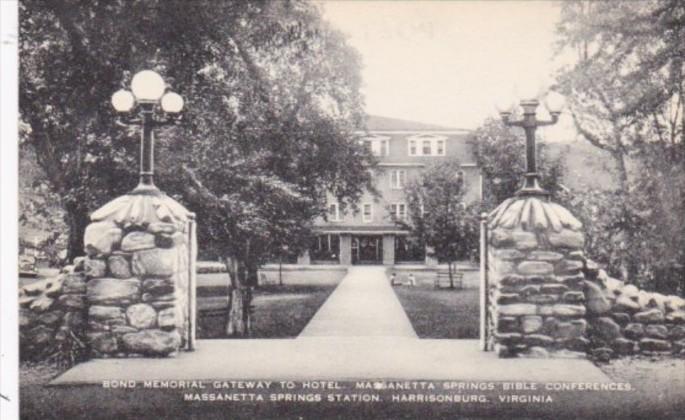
x=345, y=249
x=431, y=261
x=536, y=294
x=304, y=258
x=388, y=249
x=139, y=249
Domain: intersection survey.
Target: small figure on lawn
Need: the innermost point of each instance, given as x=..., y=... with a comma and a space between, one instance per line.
x=412, y=279
x=393, y=279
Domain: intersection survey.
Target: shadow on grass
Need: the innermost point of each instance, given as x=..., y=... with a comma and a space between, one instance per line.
x=441, y=313
x=279, y=311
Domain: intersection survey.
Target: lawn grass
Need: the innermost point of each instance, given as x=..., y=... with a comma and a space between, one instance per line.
x=279, y=311
x=441, y=313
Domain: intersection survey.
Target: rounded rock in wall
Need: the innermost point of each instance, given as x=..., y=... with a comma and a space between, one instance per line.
x=119, y=266
x=575, y=343
x=94, y=268
x=101, y=238
x=71, y=302
x=596, y=301
x=51, y=317
x=568, y=267
x=141, y=316
x=152, y=342
x=621, y=318
x=535, y=268
x=161, y=227
x=103, y=343
x=626, y=304
x=602, y=354
x=634, y=331
x=677, y=332
x=110, y=291
x=623, y=346
x=137, y=240
x=538, y=340
x=74, y=283
x=653, y=344
x=163, y=286
x=649, y=316
x=656, y=331
x=531, y=323
x=566, y=239
x=167, y=319
x=677, y=317
x=606, y=328
x=570, y=329
x=517, y=309
x=169, y=241
x=41, y=304
x=157, y=262
x=105, y=313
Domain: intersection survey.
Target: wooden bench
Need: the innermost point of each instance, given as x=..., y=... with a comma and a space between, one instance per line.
x=442, y=279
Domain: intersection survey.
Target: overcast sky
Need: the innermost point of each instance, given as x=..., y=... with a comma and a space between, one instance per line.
x=447, y=62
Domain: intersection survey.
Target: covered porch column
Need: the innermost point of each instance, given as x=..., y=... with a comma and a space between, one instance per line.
x=388, y=249
x=345, y=249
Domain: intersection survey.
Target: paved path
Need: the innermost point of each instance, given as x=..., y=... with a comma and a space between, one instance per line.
x=360, y=332
x=363, y=305
x=335, y=358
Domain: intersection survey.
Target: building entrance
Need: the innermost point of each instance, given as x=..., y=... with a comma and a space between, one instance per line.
x=367, y=249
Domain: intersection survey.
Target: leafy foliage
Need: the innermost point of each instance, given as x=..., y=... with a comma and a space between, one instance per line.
x=272, y=97
x=438, y=215
x=626, y=93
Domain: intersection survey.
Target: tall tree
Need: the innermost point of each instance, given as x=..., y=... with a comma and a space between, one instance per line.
x=626, y=94
x=272, y=102
x=438, y=215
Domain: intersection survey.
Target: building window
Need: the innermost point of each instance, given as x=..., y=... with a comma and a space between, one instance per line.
x=440, y=147
x=399, y=210
x=378, y=146
x=398, y=178
x=367, y=212
x=427, y=145
x=334, y=212
x=426, y=148
x=325, y=248
x=385, y=148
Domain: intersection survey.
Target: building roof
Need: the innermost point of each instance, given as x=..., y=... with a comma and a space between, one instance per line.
x=378, y=123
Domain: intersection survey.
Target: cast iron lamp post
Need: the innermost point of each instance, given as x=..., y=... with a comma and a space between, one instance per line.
x=529, y=122
x=148, y=93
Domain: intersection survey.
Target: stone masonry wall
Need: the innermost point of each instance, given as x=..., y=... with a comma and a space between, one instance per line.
x=52, y=316
x=625, y=320
x=137, y=277
x=546, y=299
x=536, y=294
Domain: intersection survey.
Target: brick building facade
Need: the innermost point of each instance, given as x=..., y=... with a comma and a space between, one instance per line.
x=370, y=235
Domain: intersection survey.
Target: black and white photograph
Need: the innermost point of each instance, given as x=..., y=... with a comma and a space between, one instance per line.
x=314, y=209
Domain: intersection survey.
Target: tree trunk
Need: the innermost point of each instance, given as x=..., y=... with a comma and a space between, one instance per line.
x=238, y=322
x=449, y=269
x=77, y=220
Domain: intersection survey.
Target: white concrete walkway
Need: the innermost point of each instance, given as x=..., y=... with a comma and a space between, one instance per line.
x=363, y=305
x=360, y=332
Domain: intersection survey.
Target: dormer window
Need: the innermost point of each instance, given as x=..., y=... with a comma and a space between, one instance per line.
x=426, y=145
x=334, y=212
x=377, y=145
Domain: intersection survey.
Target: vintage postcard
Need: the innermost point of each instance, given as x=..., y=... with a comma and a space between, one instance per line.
x=343, y=209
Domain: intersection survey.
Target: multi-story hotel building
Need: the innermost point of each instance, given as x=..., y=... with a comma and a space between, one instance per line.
x=370, y=235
